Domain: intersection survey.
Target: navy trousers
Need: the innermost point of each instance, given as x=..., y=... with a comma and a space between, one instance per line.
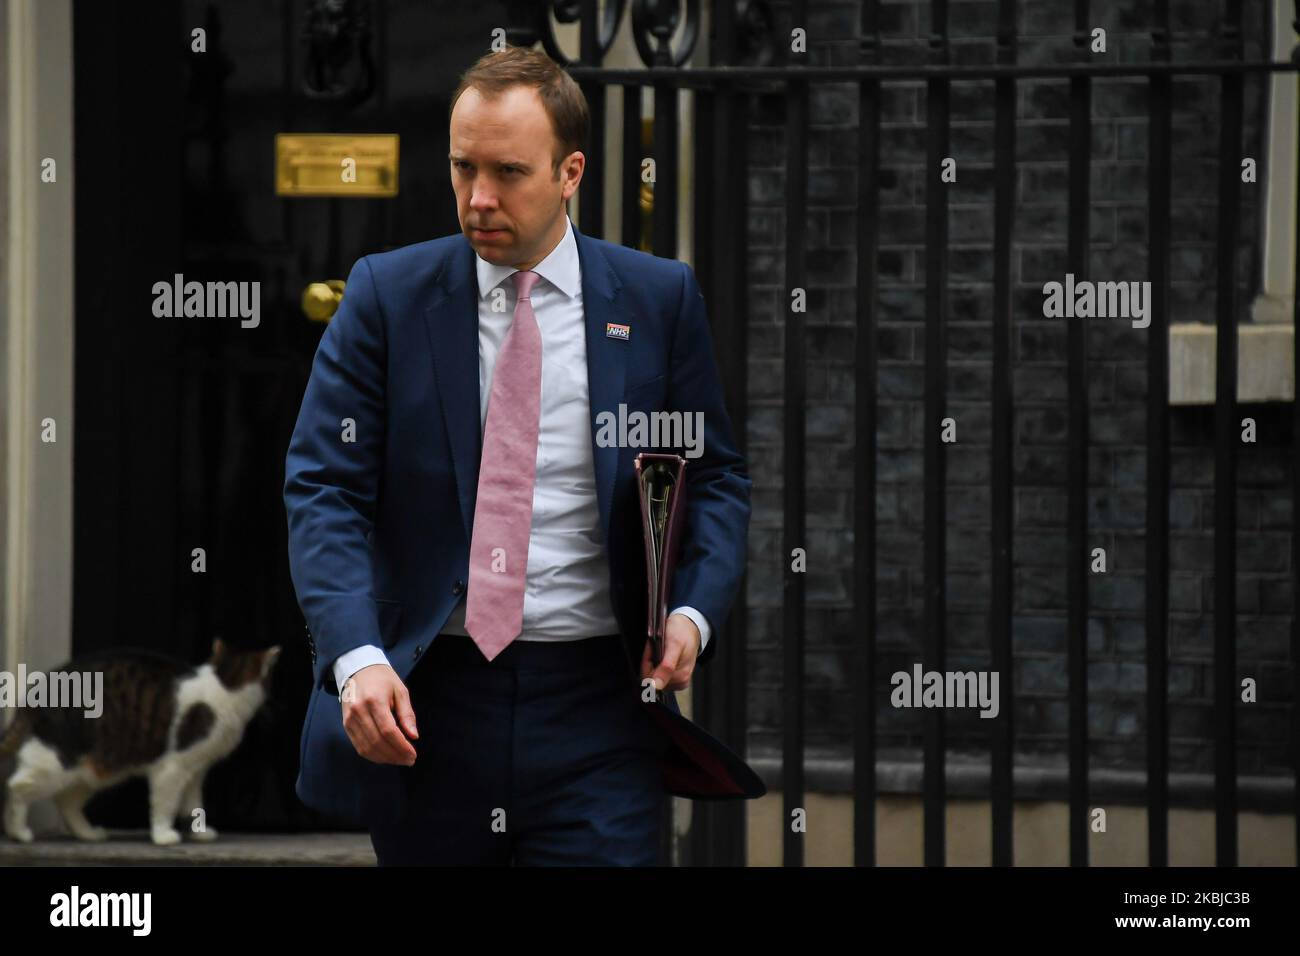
x=544, y=756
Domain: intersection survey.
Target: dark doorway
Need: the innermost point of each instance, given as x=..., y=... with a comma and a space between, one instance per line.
x=182, y=423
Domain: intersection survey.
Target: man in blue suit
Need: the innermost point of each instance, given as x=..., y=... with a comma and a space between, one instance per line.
x=494, y=714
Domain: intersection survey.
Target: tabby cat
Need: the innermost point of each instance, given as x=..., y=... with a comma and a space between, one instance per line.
x=162, y=718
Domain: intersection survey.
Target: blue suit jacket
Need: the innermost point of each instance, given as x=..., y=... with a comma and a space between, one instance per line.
x=379, y=527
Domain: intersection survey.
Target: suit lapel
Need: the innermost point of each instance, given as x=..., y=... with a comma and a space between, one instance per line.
x=606, y=361
x=451, y=322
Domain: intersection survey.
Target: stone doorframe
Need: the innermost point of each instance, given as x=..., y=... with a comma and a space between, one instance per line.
x=36, y=333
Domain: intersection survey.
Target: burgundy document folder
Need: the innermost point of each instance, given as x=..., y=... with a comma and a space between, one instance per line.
x=700, y=766
x=661, y=486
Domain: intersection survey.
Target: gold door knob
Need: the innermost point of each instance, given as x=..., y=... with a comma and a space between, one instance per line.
x=320, y=300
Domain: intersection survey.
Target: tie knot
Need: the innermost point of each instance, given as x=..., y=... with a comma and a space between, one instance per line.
x=524, y=282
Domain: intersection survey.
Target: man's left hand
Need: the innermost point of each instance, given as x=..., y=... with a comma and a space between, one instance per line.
x=681, y=647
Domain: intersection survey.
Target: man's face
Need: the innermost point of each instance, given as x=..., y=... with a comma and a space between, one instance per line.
x=510, y=204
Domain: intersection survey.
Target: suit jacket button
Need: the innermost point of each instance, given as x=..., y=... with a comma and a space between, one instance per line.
x=418, y=648
x=458, y=588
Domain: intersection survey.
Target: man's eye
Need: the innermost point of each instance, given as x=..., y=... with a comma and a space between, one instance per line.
x=510, y=169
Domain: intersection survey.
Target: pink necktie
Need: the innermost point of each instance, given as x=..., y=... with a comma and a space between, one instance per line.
x=503, y=511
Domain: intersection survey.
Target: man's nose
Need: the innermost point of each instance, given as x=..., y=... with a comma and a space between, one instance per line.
x=482, y=198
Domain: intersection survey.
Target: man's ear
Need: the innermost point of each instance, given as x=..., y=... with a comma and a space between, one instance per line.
x=576, y=157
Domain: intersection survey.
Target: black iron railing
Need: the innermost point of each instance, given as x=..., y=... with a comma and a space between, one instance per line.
x=742, y=65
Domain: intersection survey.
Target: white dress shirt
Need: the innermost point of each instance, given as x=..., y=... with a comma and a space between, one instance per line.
x=566, y=596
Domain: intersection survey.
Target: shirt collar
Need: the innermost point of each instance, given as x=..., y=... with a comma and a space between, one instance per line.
x=560, y=267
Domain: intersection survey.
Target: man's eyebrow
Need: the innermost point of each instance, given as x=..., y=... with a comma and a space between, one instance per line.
x=456, y=157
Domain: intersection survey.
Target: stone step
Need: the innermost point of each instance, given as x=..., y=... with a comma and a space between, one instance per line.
x=134, y=848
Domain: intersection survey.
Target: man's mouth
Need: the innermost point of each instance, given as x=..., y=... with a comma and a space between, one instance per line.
x=488, y=233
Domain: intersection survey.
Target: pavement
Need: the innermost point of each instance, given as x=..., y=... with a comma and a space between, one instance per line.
x=134, y=848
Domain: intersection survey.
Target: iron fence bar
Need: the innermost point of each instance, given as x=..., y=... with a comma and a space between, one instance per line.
x=632, y=156
x=733, y=255
x=725, y=698
x=1159, y=175
x=935, y=460
x=1076, y=563
x=664, y=228
x=864, y=451
x=591, y=212
x=794, y=498
x=1002, y=733
x=704, y=205
x=717, y=834
x=1226, y=436
x=717, y=828
x=703, y=842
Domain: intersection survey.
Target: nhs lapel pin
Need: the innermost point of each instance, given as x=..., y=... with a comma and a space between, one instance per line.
x=615, y=331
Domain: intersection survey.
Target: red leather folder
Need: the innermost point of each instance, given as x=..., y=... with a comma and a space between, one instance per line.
x=698, y=765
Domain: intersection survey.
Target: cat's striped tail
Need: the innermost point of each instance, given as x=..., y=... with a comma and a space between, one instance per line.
x=14, y=736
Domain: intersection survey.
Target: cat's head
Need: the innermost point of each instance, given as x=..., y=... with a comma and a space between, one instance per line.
x=238, y=667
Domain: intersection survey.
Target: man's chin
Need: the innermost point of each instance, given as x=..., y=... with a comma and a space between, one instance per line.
x=489, y=249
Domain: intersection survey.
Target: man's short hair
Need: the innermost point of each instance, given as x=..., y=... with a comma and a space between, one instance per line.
x=494, y=73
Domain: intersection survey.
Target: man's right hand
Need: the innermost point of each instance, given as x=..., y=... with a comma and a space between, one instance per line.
x=370, y=698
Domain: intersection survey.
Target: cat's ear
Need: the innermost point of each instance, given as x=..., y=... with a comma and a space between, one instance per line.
x=218, y=649
x=269, y=657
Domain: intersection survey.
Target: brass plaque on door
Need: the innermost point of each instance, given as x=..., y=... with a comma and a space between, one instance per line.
x=336, y=164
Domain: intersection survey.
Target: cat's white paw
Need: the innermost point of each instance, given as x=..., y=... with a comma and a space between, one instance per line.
x=91, y=834
x=21, y=834
x=204, y=836
x=166, y=837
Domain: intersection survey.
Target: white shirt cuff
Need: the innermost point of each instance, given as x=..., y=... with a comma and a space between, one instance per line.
x=355, y=659
x=700, y=622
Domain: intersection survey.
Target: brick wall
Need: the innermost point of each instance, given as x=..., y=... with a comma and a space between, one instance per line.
x=1118, y=392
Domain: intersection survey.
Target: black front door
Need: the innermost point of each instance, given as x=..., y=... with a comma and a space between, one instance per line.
x=182, y=422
